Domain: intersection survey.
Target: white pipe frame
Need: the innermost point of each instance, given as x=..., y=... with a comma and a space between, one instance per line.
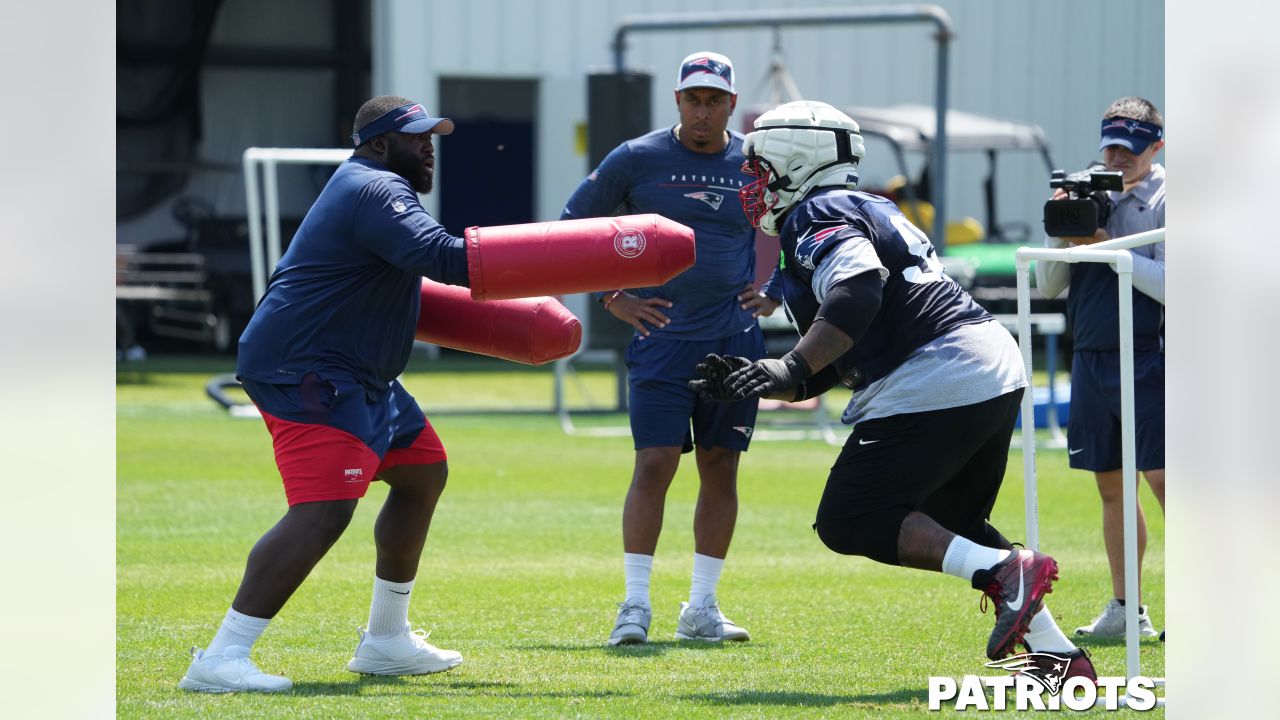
x=262, y=263
x=1115, y=253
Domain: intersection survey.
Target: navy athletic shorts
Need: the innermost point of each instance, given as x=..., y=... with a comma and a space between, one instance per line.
x=663, y=407
x=1093, y=429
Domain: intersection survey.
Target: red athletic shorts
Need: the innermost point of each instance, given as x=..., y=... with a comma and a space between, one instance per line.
x=341, y=440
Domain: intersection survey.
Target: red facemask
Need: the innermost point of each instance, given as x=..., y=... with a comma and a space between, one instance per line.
x=756, y=198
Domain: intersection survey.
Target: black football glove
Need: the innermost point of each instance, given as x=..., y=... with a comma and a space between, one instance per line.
x=712, y=372
x=768, y=376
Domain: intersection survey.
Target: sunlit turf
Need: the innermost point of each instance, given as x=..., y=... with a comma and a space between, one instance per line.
x=523, y=567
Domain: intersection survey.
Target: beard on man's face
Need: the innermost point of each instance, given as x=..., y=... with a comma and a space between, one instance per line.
x=403, y=161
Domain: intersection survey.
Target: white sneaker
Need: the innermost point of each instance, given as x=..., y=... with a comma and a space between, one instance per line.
x=707, y=623
x=632, y=624
x=1110, y=622
x=408, y=653
x=232, y=671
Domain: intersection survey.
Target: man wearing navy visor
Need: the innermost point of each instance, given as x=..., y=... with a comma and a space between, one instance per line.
x=1132, y=136
x=319, y=359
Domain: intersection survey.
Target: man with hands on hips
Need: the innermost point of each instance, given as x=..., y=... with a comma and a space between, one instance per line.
x=690, y=173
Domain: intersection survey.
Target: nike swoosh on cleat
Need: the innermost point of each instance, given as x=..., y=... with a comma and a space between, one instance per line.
x=233, y=681
x=1016, y=606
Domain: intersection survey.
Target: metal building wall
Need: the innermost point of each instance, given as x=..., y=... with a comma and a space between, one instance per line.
x=1057, y=65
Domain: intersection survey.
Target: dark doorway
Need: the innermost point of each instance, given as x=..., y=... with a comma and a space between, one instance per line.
x=487, y=172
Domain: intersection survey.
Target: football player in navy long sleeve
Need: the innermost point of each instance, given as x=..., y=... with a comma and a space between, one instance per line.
x=320, y=358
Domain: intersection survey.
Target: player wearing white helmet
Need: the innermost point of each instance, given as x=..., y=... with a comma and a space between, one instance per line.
x=937, y=381
x=797, y=147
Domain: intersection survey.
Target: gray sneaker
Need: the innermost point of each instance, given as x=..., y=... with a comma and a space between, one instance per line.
x=632, y=624
x=707, y=623
x=1110, y=622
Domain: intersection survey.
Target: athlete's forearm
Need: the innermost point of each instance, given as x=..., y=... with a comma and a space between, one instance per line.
x=823, y=344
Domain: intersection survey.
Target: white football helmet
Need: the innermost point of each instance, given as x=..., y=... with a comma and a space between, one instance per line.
x=795, y=148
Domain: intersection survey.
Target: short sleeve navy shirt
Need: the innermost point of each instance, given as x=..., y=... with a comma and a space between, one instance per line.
x=655, y=173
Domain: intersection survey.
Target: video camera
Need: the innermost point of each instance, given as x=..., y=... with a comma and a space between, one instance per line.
x=1086, y=207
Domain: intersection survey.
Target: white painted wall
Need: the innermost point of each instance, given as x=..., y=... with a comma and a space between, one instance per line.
x=1057, y=65
x=1054, y=64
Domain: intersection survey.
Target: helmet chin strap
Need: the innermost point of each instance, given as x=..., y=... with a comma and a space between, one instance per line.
x=838, y=175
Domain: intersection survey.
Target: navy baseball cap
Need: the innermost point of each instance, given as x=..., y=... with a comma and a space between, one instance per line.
x=412, y=119
x=1134, y=135
x=706, y=69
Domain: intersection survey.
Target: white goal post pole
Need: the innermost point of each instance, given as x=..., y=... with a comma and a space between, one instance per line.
x=1128, y=474
x=263, y=262
x=1030, y=489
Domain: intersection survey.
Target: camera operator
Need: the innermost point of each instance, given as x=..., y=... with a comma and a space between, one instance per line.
x=1132, y=135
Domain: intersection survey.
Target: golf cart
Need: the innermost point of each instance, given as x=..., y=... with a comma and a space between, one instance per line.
x=978, y=254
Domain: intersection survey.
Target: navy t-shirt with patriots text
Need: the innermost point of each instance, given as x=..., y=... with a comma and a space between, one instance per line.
x=655, y=173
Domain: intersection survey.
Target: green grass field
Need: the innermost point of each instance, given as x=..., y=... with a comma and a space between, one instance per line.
x=523, y=568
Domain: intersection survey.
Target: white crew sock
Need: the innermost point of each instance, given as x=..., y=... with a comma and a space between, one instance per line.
x=1045, y=635
x=706, y=575
x=965, y=557
x=236, y=629
x=637, y=568
x=389, y=611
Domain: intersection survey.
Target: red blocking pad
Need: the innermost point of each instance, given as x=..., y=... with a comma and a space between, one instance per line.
x=531, y=331
x=573, y=256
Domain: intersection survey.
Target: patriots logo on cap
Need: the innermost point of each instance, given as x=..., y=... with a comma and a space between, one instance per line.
x=411, y=111
x=1129, y=126
x=705, y=64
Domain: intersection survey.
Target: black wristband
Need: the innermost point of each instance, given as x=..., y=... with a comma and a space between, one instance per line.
x=796, y=366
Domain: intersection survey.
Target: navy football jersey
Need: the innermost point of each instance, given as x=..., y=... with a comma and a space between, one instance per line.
x=654, y=173
x=344, y=299
x=919, y=301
